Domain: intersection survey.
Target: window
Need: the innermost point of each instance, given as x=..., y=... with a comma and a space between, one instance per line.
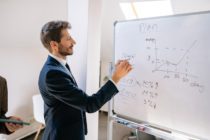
x=133, y=10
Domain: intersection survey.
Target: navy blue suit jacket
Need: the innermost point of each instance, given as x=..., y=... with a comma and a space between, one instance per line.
x=65, y=104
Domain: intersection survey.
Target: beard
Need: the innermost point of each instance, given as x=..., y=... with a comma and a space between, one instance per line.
x=65, y=51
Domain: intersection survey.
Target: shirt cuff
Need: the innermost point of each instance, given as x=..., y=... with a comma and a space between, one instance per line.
x=114, y=84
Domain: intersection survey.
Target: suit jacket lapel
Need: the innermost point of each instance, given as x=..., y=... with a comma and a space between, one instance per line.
x=52, y=61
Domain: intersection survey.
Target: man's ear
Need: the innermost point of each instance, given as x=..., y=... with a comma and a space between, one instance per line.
x=54, y=45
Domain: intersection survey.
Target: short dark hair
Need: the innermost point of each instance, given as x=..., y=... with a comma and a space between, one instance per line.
x=51, y=31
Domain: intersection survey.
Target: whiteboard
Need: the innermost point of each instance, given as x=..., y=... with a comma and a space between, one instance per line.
x=169, y=85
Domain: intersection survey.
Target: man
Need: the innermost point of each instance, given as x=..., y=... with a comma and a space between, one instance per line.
x=65, y=103
x=6, y=128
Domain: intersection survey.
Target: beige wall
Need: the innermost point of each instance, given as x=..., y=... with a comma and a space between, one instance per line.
x=21, y=53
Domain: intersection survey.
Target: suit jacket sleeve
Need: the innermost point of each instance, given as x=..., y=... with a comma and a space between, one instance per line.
x=3, y=104
x=3, y=128
x=3, y=96
x=60, y=86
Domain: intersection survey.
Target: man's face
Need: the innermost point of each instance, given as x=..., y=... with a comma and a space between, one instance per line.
x=65, y=47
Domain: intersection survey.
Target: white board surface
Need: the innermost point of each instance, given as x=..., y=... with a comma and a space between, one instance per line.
x=169, y=85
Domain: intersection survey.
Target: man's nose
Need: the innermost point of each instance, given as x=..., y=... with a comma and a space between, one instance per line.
x=73, y=41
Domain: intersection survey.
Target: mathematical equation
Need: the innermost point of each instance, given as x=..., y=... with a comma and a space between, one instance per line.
x=150, y=93
x=147, y=88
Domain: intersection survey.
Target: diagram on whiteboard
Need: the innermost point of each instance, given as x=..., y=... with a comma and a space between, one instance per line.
x=166, y=61
x=170, y=63
x=159, y=57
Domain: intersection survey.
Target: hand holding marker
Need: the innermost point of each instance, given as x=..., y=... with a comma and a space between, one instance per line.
x=14, y=121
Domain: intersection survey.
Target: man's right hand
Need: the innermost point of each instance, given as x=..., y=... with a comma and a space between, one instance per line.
x=122, y=68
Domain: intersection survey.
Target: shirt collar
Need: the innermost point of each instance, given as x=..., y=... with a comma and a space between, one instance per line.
x=60, y=60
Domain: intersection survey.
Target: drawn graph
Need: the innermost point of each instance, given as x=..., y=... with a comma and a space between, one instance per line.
x=166, y=65
x=165, y=60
